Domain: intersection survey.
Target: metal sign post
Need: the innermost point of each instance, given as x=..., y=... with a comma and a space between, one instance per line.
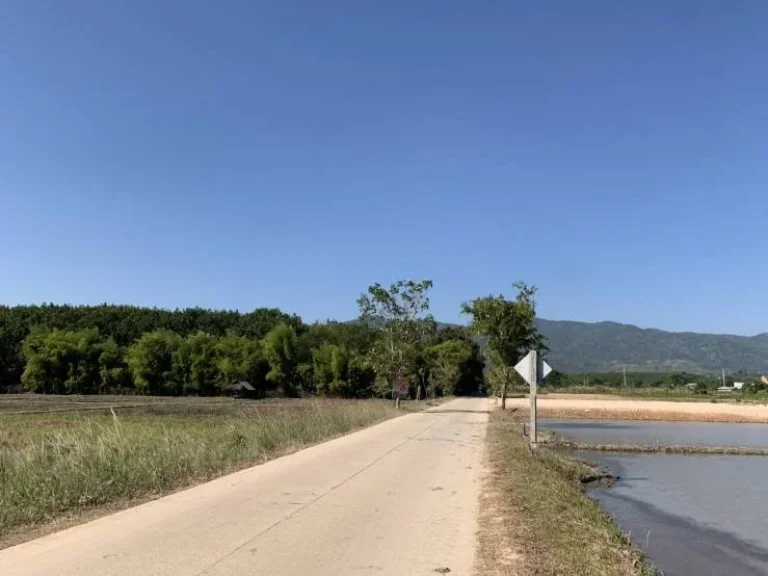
x=533, y=371
x=533, y=378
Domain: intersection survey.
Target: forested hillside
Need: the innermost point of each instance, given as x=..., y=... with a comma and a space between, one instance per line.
x=608, y=347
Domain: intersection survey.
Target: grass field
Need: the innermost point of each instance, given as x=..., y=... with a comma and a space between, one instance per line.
x=538, y=522
x=60, y=455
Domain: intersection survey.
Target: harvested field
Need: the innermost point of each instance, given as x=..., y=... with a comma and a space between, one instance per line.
x=616, y=408
x=58, y=463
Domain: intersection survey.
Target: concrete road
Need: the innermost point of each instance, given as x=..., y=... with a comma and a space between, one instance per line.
x=398, y=499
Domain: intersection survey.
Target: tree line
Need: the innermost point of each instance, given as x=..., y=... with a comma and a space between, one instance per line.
x=103, y=349
x=394, y=348
x=670, y=380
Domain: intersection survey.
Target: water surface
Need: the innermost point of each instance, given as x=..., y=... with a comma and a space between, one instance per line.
x=664, y=433
x=701, y=515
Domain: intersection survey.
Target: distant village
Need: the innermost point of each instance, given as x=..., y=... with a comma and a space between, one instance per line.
x=735, y=386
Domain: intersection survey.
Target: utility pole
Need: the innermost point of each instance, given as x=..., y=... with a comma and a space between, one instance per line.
x=625, y=375
x=723, y=376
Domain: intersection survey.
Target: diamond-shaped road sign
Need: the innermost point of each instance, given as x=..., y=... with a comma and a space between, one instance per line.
x=524, y=368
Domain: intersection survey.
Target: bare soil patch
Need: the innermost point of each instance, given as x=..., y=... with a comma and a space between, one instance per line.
x=606, y=408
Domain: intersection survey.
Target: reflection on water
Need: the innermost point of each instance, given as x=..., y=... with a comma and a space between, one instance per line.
x=665, y=433
x=703, y=515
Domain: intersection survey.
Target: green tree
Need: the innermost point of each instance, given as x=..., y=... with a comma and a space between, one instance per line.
x=45, y=353
x=241, y=358
x=331, y=370
x=361, y=378
x=322, y=359
x=401, y=315
x=113, y=372
x=197, y=365
x=281, y=351
x=11, y=362
x=83, y=371
x=356, y=338
x=472, y=379
x=509, y=328
x=447, y=360
x=152, y=360
x=62, y=362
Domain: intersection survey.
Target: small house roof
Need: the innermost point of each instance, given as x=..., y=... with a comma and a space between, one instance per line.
x=242, y=385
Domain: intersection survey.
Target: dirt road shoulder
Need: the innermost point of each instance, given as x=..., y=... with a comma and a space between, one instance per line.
x=535, y=518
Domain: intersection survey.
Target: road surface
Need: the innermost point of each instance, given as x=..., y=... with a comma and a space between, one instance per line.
x=398, y=499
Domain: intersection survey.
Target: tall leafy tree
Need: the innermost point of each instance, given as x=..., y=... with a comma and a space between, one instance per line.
x=152, y=360
x=62, y=362
x=241, y=358
x=361, y=378
x=11, y=362
x=197, y=365
x=509, y=328
x=356, y=338
x=113, y=372
x=447, y=360
x=281, y=351
x=331, y=370
x=472, y=378
x=47, y=355
x=401, y=314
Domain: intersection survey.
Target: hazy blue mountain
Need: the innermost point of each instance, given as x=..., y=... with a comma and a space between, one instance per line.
x=608, y=346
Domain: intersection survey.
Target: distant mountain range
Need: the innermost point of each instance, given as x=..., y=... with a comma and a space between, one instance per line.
x=609, y=346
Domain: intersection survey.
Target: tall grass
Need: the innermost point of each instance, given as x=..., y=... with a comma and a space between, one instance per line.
x=54, y=464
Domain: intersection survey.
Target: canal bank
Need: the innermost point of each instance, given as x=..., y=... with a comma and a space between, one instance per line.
x=536, y=518
x=691, y=514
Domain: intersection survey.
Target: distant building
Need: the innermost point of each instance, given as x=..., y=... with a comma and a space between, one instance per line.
x=725, y=389
x=692, y=385
x=241, y=389
x=738, y=385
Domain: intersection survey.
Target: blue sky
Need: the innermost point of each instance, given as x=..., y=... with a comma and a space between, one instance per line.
x=246, y=154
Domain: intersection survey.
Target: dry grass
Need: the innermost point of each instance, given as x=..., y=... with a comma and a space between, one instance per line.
x=537, y=520
x=57, y=465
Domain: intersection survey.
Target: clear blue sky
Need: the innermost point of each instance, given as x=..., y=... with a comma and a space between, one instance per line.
x=247, y=154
